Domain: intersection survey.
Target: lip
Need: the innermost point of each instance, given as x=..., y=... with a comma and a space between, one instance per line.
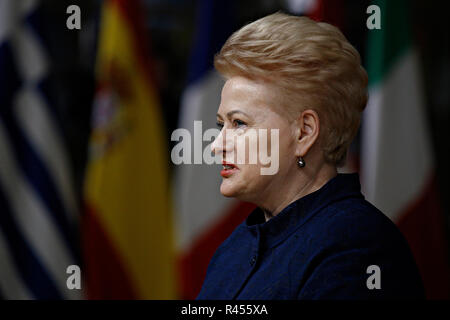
x=228, y=172
x=229, y=164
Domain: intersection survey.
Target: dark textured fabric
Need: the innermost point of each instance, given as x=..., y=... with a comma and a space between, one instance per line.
x=318, y=247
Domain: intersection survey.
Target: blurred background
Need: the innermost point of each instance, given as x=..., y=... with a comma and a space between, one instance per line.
x=87, y=115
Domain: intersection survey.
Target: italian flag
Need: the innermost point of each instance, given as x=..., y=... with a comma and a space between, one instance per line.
x=397, y=166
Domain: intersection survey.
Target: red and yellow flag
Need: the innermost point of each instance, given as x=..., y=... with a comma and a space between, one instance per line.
x=127, y=238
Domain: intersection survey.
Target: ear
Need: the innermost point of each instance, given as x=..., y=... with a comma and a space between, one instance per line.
x=308, y=128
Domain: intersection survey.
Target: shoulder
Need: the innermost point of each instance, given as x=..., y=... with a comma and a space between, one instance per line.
x=356, y=225
x=354, y=221
x=344, y=240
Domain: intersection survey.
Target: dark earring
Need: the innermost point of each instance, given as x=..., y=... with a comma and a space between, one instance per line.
x=301, y=162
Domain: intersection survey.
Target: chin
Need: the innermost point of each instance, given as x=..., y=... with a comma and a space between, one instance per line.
x=236, y=192
x=229, y=190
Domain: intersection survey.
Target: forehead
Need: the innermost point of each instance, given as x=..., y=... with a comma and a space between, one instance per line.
x=240, y=92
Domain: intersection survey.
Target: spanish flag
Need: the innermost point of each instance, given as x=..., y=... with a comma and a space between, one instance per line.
x=127, y=237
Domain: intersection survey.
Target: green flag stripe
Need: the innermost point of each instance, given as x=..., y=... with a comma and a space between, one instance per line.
x=387, y=45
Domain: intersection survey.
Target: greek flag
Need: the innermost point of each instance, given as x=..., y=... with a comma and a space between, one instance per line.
x=38, y=211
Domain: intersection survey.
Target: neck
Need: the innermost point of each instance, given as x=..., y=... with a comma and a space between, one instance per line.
x=313, y=179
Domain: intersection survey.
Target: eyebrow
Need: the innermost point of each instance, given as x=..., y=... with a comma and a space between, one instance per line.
x=230, y=113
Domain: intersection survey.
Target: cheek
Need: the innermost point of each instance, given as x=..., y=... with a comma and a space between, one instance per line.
x=257, y=145
x=287, y=140
x=286, y=156
x=248, y=178
x=246, y=149
x=286, y=148
x=280, y=140
x=250, y=183
x=282, y=153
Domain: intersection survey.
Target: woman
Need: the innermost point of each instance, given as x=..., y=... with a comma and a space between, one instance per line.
x=313, y=236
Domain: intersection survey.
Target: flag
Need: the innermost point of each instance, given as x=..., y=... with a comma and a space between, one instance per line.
x=204, y=217
x=398, y=174
x=38, y=211
x=329, y=11
x=127, y=227
x=314, y=9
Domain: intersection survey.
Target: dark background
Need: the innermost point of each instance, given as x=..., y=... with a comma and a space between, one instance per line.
x=171, y=26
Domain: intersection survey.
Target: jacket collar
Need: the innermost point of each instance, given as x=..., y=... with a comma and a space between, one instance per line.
x=300, y=211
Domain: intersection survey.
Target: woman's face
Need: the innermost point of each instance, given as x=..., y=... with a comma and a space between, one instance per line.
x=246, y=107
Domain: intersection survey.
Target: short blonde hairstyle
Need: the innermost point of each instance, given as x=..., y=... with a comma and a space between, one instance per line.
x=312, y=63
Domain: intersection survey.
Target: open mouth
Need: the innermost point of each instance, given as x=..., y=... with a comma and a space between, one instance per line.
x=228, y=169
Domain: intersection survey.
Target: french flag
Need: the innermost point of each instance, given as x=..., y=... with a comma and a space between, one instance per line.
x=204, y=217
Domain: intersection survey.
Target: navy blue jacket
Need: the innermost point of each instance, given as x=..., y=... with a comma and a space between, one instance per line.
x=318, y=247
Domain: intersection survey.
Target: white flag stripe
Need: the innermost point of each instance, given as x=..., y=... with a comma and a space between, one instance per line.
x=396, y=151
x=301, y=6
x=195, y=212
x=31, y=60
x=12, y=13
x=11, y=284
x=7, y=19
x=26, y=6
x=35, y=120
x=33, y=220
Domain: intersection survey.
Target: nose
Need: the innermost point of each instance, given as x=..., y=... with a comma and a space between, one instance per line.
x=217, y=145
x=221, y=144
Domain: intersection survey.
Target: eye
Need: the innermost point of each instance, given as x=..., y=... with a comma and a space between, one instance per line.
x=238, y=123
x=219, y=124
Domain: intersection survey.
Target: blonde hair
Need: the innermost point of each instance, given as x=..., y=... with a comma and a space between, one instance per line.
x=314, y=66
